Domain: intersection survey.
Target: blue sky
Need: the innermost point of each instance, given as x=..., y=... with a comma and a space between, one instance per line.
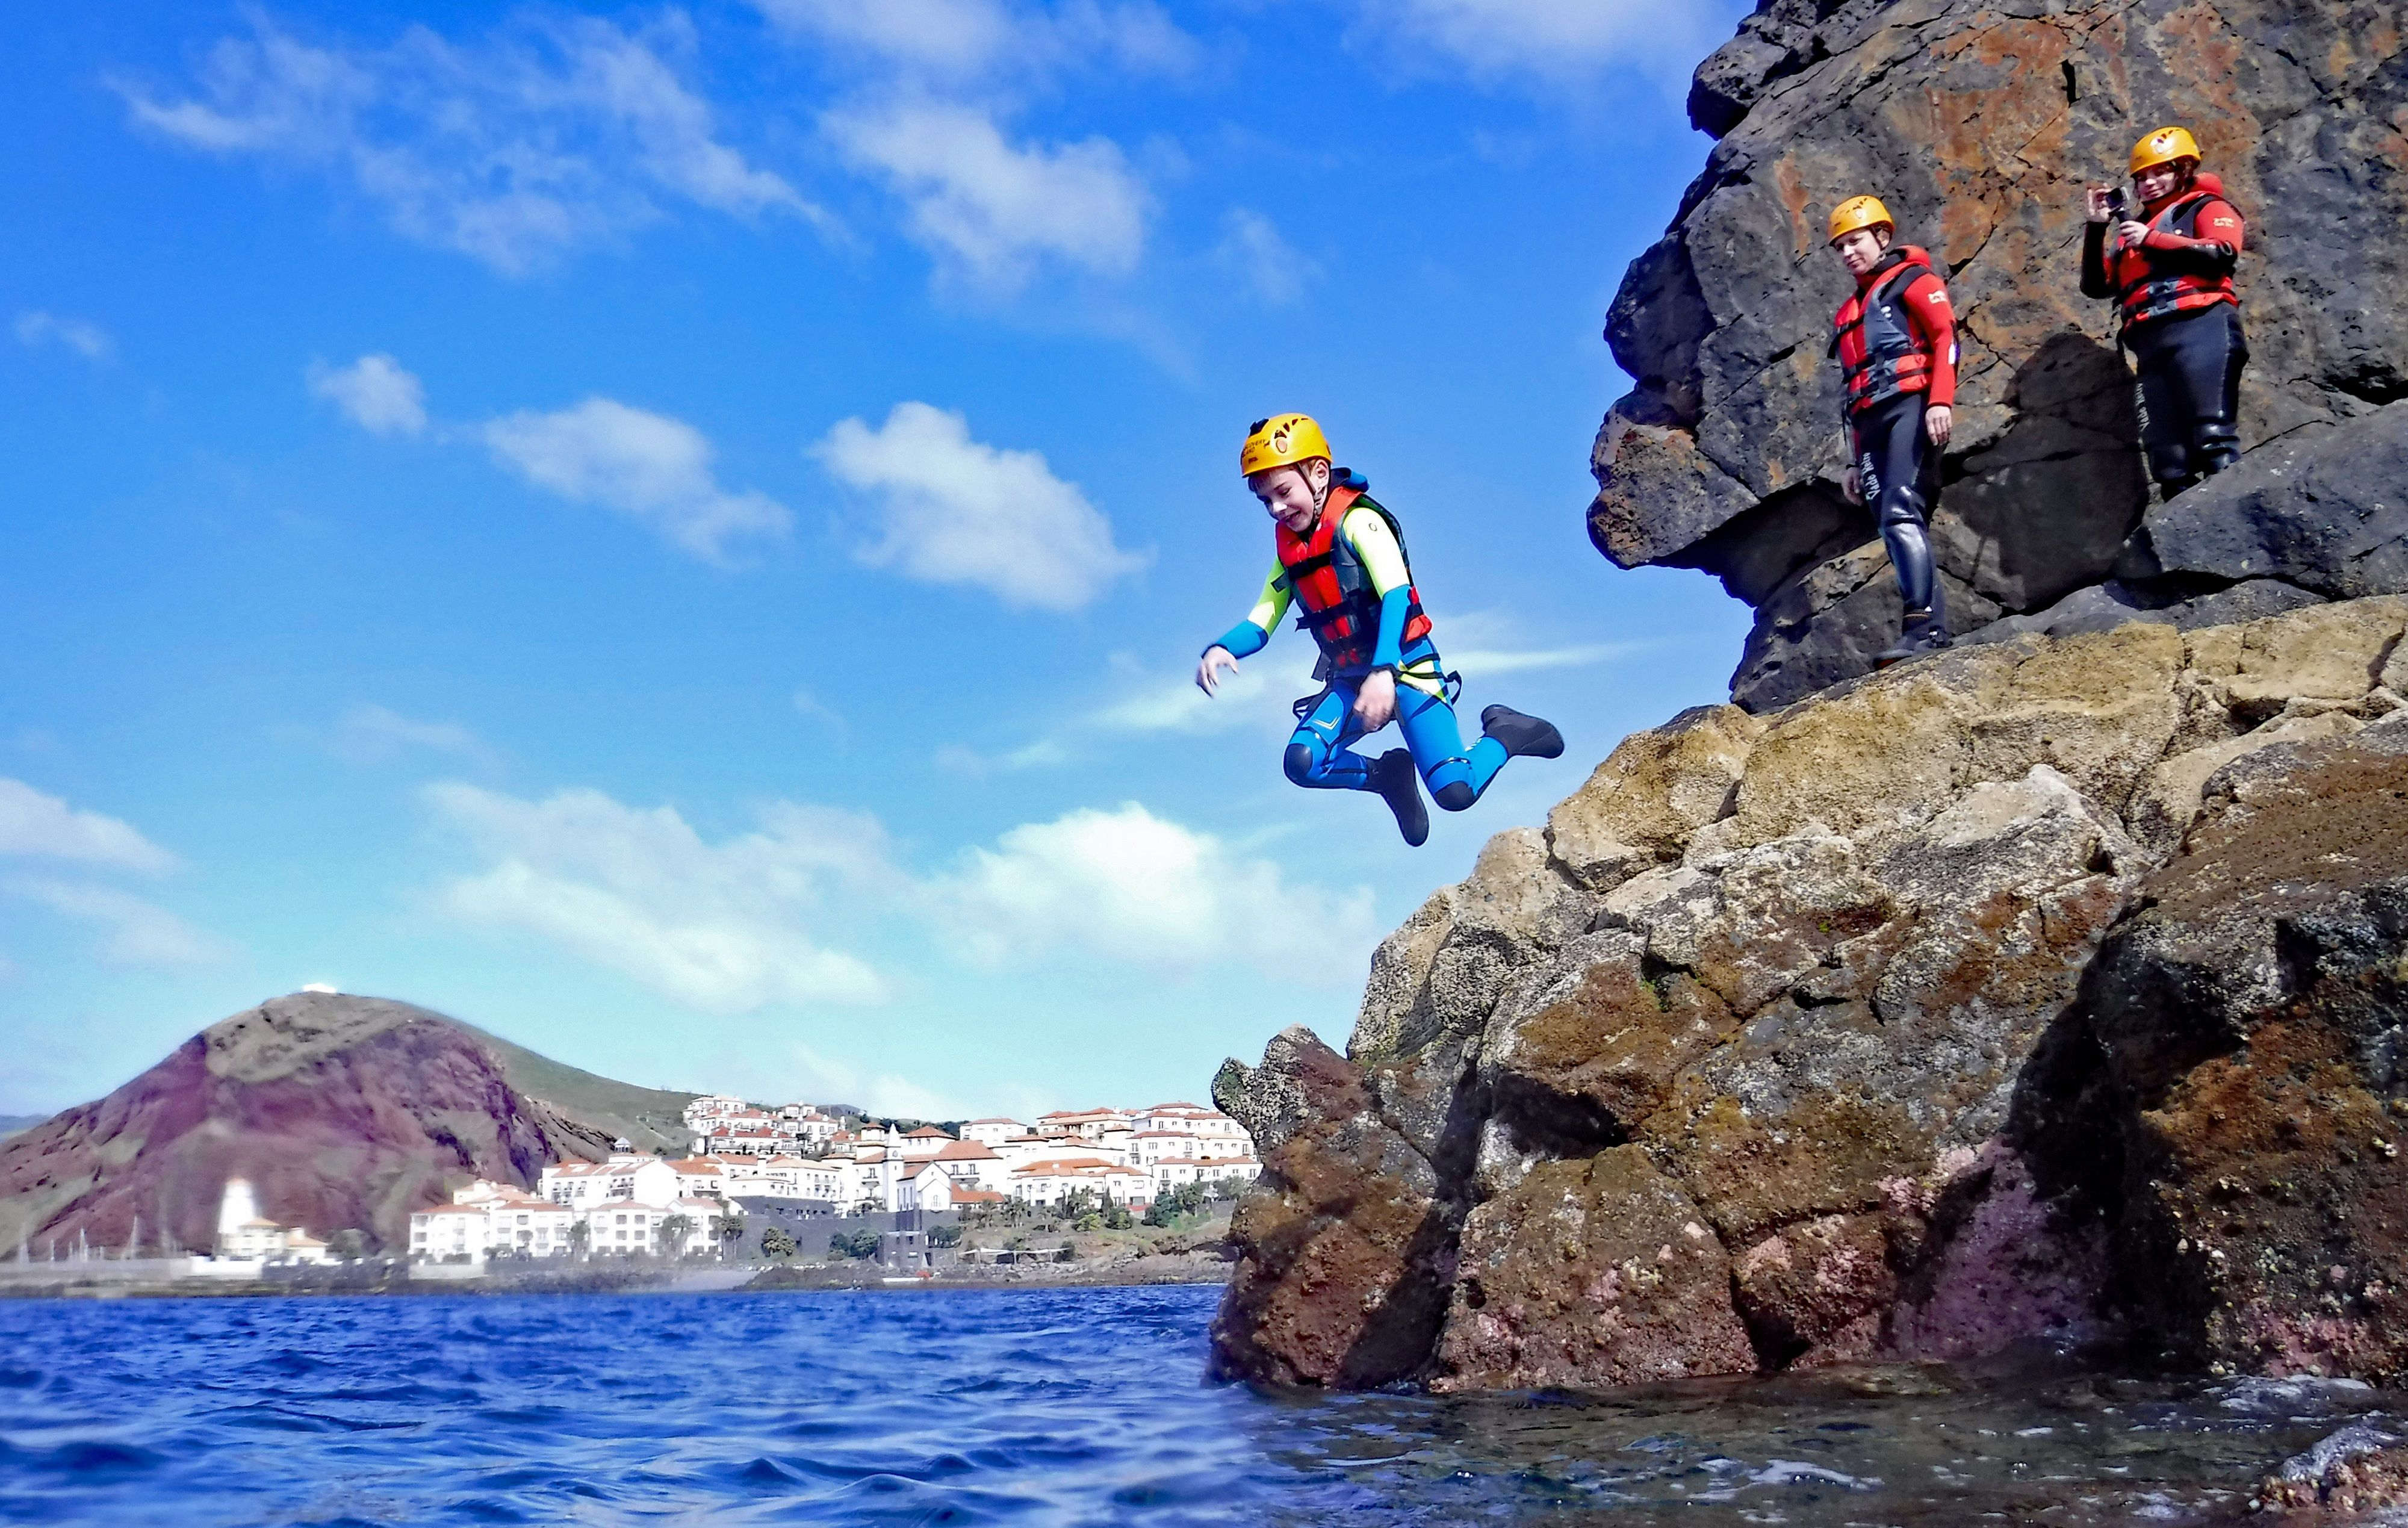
x=679, y=534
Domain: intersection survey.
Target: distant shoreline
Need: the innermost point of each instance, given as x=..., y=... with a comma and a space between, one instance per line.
x=90, y=1283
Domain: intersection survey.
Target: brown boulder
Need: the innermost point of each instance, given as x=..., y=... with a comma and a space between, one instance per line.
x=1347, y=1247
x=1590, y=1274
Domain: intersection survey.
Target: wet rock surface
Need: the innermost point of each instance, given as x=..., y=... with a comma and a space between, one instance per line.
x=1978, y=121
x=2053, y=988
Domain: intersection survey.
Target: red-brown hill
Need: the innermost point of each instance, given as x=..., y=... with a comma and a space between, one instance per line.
x=342, y=1111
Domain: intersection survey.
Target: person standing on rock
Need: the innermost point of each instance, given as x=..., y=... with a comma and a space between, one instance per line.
x=1342, y=557
x=1896, y=342
x=2170, y=269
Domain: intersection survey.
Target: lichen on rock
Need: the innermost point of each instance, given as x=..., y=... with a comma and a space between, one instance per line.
x=1999, y=1029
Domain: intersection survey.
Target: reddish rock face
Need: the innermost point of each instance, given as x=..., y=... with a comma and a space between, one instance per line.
x=1588, y=1274
x=343, y=1113
x=1349, y=1249
x=2251, y=1020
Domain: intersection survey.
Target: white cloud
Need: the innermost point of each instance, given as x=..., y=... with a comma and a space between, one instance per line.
x=824, y=1079
x=954, y=511
x=376, y=392
x=42, y=826
x=1483, y=663
x=1259, y=696
x=966, y=40
x=552, y=133
x=1556, y=42
x=87, y=339
x=1129, y=886
x=648, y=467
x=138, y=933
x=1253, y=250
x=371, y=734
x=725, y=928
x=994, y=210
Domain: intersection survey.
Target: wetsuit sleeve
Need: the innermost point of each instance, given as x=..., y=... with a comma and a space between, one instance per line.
x=1935, y=323
x=1384, y=564
x=2214, y=253
x=2095, y=282
x=1248, y=637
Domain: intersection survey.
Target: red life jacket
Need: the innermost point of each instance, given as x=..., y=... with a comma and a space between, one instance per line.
x=2145, y=293
x=1333, y=589
x=1880, y=355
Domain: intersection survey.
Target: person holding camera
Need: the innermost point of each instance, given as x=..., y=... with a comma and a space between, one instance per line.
x=2169, y=266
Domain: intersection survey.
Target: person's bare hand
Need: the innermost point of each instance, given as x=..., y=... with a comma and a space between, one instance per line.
x=1851, y=485
x=1376, y=701
x=2095, y=204
x=1216, y=663
x=1938, y=422
x=2132, y=232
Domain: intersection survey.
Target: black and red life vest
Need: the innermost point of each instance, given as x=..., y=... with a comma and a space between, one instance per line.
x=2142, y=292
x=1880, y=356
x=1333, y=589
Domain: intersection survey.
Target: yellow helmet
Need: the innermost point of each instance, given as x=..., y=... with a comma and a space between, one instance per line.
x=1282, y=440
x=1860, y=212
x=2163, y=147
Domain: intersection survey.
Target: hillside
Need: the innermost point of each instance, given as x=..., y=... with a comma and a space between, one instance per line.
x=342, y=1111
x=17, y=1124
x=650, y=1118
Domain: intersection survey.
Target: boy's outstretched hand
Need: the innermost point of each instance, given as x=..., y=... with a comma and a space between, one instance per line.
x=1216, y=662
x=1376, y=702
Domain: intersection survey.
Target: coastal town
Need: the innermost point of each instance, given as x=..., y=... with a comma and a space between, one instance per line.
x=751, y=1164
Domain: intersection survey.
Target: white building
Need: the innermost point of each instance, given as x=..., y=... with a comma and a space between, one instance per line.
x=245, y=1236
x=626, y=1176
x=1233, y=1171
x=992, y=1134
x=1057, y=1178
x=700, y=1111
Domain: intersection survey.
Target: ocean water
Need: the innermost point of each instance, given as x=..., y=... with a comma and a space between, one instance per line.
x=1062, y=1407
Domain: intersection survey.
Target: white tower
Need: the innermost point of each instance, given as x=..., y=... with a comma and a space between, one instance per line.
x=239, y=1208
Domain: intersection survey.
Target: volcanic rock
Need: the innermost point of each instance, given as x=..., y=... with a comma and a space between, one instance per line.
x=343, y=1113
x=2050, y=988
x=1978, y=121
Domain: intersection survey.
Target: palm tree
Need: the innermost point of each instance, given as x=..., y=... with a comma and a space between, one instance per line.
x=729, y=1226
x=674, y=1230
x=580, y=1235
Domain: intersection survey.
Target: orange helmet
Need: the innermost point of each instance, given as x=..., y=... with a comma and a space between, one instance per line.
x=2164, y=147
x=1860, y=212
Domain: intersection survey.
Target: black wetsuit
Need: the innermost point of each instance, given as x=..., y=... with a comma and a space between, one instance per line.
x=1899, y=469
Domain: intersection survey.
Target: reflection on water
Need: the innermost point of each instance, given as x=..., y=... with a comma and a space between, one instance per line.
x=1027, y=1407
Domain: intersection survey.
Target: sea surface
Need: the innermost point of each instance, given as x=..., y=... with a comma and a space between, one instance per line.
x=1045, y=1407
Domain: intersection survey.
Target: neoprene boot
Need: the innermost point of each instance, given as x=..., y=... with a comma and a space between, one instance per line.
x=1522, y=736
x=1924, y=631
x=1400, y=786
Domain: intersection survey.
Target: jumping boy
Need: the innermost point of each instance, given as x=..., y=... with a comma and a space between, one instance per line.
x=1342, y=557
x=1896, y=342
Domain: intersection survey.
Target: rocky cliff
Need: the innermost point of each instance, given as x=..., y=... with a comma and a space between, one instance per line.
x=2050, y=988
x=1978, y=121
x=343, y=1112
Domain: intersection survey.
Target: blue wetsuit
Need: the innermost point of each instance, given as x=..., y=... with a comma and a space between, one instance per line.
x=1321, y=752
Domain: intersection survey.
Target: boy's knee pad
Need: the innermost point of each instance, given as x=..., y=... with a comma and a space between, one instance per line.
x=1455, y=794
x=1300, y=763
